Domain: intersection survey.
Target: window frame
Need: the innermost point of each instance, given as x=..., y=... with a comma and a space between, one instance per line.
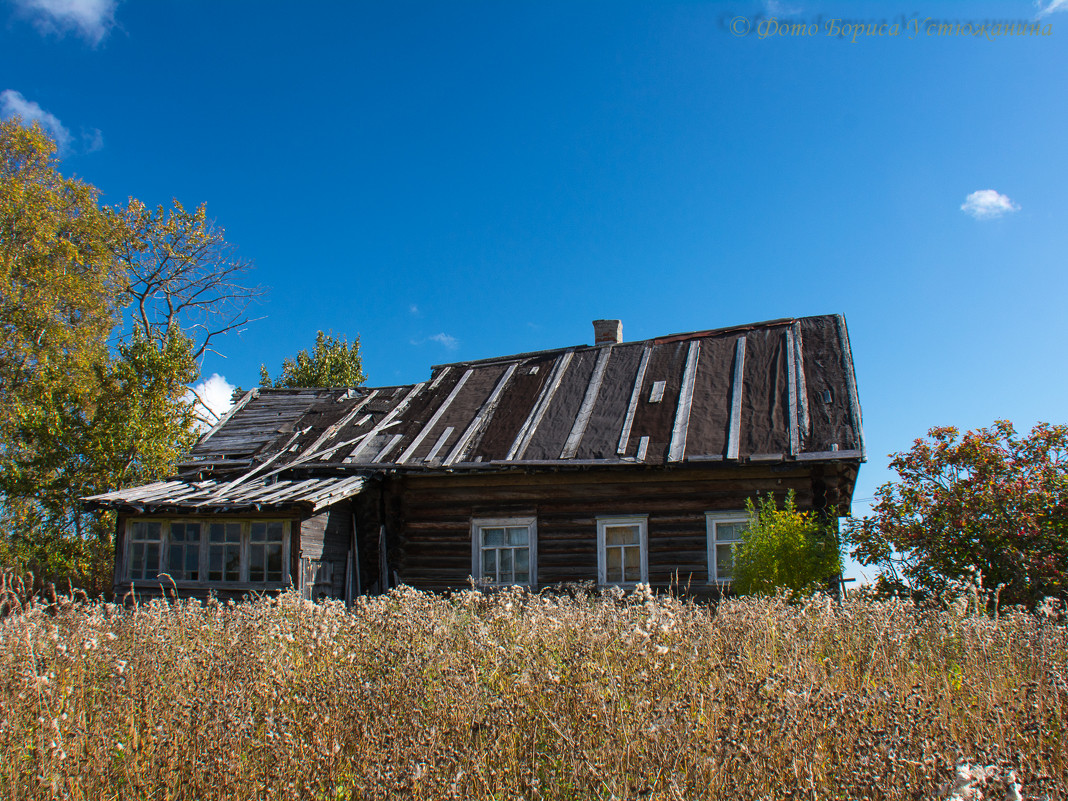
x=204, y=562
x=712, y=521
x=603, y=522
x=480, y=523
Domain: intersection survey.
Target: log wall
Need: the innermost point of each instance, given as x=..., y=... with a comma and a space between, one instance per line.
x=429, y=517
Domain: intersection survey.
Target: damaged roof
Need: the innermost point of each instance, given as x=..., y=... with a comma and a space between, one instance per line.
x=774, y=391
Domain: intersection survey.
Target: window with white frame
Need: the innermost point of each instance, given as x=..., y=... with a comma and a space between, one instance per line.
x=208, y=551
x=725, y=532
x=504, y=550
x=622, y=550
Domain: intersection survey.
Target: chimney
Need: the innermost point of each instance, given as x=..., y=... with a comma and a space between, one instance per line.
x=607, y=332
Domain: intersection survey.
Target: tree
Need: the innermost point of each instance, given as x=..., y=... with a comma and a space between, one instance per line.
x=103, y=317
x=332, y=363
x=784, y=549
x=181, y=273
x=988, y=500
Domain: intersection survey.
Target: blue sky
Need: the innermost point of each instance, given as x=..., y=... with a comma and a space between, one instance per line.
x=459, y=180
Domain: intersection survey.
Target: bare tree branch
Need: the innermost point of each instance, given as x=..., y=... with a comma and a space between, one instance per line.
x=182, y=273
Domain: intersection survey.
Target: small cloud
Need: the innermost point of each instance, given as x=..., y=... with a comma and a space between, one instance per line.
x=987, y=204
x=90, y=19
x=92, y=141
x=776, y=8
x=1051, y=8
x=449, y=342
x=13, y=104
x=414, y=310
x=213, y=398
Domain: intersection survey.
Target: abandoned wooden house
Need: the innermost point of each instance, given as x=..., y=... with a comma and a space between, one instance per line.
x=615, y=462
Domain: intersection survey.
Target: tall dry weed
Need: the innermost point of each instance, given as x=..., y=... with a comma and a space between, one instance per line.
x=508, y=695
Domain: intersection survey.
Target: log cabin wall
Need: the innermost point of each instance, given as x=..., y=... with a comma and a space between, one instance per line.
x=429, y=517
x=325, y=543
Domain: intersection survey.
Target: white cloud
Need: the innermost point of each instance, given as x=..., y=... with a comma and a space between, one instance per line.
x=449, y=342
x=93, y=140
x=214, y=393
x=414, y=309
x=13, y=104
x=1052, y=8
x=987, y=204
x=776, y=8
x=90, y=19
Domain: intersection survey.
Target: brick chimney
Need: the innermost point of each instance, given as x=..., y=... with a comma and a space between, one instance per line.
x=607, y=332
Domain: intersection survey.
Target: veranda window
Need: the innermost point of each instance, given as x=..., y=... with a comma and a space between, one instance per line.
x=209, y=552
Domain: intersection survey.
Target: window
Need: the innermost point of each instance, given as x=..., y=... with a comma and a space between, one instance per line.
x=622, y=546
x=725, y=531
x=183, y=555
x=224, y=552
x=208, y=551
x=146, y=543
x=265, y=552
x=503, y=550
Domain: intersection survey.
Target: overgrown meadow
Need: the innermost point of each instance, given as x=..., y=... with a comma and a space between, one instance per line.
x=508, y=695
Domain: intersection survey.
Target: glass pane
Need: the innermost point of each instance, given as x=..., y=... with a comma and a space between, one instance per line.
x=506, y=565
x=137, y=561
x=233, y=532
x=215, y=564
x=620, y=535
x=729, y=532
x=192, y=532
x=177, y=532
x=522, y=578
x=522, y=558
x=518, y=536
x=492, y=536
x=274, y=562
x=632, y=563
x=175, y=560
x=258, y=532
x=216, y=532
x=233, y=563
x=192, y=563
x=147, y=531
x=274, y=531
x=489, y=565
x=255, y=562
x=151, y=560
x=724, y=561
x=614, y=562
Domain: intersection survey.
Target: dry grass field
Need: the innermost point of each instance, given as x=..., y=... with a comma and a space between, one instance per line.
x=511, y=695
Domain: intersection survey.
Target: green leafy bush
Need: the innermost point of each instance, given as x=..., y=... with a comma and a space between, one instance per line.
x=784, y=549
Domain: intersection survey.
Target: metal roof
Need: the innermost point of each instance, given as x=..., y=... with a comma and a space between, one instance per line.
x=776, y=391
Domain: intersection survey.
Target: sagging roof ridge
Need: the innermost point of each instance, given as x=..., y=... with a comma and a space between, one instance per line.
x=680, y=337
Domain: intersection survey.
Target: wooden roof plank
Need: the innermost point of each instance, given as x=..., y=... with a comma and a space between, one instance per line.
x=386, y=421
x=582, y=419
x=677, y=448
x=485, y=413
x=410, y=450
x=635, y=396
x=791, y=391
x=530, y=426
x=735, y=428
